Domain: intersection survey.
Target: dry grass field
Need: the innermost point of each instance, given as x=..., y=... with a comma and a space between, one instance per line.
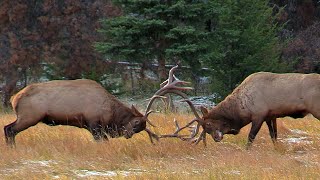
x=62, y=152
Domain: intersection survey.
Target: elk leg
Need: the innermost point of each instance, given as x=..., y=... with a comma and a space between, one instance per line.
x=10, y=134
x=255, y=128
x=272, y=125
x=96, y=131
x=11, y=130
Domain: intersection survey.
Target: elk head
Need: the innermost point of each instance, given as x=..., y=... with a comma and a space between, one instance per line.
x=131, y=123
x=216, y=127
x=136, y=124
x=139, y=123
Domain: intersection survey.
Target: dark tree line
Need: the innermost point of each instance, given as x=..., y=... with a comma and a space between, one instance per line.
x=51, y=35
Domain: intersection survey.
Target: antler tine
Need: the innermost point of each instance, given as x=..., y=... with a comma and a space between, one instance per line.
x=175, y=134
x=170, y=83
x=183, y=95
x=185, y=98
x=171, y=75
x=171, y=86
x=195, y=131
x=192, y=108
x=146, y=115
x=177, y=124
x=178, y=129
x=201, y=137
x=152, y=135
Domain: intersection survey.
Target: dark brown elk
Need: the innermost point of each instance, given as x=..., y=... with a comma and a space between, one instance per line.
x=81, y=103
x=261, y=97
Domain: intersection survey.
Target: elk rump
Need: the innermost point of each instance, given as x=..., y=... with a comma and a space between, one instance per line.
x=81, y=103
x=263, y=97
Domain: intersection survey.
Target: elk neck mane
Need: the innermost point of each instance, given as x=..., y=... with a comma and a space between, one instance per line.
x=226, y=109
x=121, y=114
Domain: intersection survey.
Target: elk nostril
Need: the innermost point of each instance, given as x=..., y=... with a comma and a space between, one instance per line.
x=218, y=136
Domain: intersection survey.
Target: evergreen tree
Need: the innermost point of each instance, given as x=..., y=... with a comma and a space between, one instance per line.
x=164, y=31
x=232, y=38
x=243, y=41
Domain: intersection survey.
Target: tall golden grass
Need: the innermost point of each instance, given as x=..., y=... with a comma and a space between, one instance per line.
x=62, y=152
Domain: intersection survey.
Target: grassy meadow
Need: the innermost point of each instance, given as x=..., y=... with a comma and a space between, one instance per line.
x=62, y=152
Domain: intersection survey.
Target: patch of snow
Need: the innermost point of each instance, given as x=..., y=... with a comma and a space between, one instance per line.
x=297, y=131
x=297, y=140
x=206, y=101
x=8, y=171
x=32, y=166
x=137, y=170
x=235, y=172
x=39, y=163
x=305, y=162
x=88, y=173
x=196, y=171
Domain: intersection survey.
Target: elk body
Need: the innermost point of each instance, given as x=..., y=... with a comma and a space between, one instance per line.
x=81, y=103
x=261, y=97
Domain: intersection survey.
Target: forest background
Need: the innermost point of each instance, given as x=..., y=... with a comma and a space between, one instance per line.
x=128, y=46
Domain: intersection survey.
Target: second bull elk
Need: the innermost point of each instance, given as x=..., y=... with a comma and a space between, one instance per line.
x=81, y=103
x=261, y=97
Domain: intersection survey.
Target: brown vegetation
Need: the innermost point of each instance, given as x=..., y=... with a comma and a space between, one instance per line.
x=51, y=32
x=64, y=152
x=304, y=50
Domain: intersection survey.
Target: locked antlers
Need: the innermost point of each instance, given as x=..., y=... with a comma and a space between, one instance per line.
x=171, y=85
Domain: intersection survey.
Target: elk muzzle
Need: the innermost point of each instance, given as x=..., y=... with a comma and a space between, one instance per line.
x=217, y=136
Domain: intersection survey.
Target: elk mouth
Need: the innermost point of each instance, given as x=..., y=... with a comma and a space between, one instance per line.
x=234, y=131
x=217, y=136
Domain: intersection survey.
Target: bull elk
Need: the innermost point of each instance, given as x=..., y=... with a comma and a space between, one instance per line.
x=261, y=97
x=81, y=103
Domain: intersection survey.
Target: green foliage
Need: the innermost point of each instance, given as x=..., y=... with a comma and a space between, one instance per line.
x=150, y=30
x=111, y=82
x=243, y=41
x=51, y=71
x=232, y=38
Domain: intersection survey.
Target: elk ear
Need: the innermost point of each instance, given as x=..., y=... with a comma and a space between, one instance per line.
x=204, y=111
x=135, y=111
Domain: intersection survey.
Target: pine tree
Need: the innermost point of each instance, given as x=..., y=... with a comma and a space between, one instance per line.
x=152, y=30
x=243, y=41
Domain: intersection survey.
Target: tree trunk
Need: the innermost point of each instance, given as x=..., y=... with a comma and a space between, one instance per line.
x=143, y=69
x=162, y=69
x=9, y=87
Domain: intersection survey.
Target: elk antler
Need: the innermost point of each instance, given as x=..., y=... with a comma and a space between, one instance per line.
x=171, y=86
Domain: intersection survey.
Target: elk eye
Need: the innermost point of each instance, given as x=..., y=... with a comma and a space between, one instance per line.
x=208, y=124
x=136, y=122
